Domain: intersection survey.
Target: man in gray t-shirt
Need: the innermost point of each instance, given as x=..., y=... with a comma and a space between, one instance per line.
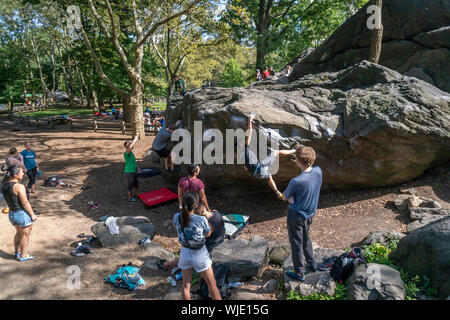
x=161, y=145
x=302, y=194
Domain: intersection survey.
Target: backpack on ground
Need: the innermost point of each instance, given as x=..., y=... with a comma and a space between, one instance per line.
x=127, y=277
x=346, y=263
x=52, y=182
x=221, y=276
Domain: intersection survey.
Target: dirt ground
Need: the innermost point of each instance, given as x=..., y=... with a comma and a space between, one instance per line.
x=85, y=158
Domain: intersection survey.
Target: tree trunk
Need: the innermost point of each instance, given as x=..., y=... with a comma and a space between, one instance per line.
x=38, y=62
x=95, y=100
x=261, y=54
x=136, y=111
x=53, y=74
x=376, y=37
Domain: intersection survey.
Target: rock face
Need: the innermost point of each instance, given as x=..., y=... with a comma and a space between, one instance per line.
x=246, y=258
x=415, y=43
x=156, y=252
x=426, y=251
x=279, y=250
x=381, y=236
x=375, y=282
x=369, y=125
x=132, y=229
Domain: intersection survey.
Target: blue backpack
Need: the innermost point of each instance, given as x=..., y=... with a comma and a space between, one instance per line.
x=127, y=277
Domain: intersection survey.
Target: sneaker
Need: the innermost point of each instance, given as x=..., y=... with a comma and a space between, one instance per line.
x=132, y=200
x=327, y=264
x=25, y=258
x=294, y=275
x=17, y=255
x=312, y=267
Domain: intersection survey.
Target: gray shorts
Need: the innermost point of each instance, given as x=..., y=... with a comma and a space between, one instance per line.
x=197, y=259
x=264, y=166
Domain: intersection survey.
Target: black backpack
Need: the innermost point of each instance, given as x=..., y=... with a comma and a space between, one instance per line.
x=346, y=263
x=221, y=276
x=52, y=182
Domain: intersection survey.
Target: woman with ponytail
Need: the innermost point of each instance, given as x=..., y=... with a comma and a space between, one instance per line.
x=192, y=230
x=21, y=215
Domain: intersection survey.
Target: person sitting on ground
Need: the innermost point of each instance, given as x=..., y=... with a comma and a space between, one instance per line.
x=192, y=183
x=21, y=215
x=192, y=227
x=303, y=196
x=180, y=87
x=131, y=169
x=260, y=169
x=29, y=159
x=288, y=70
x=217, y=225
x=271, y=71
x=14, y=158
x=258, y=75
x=265, y=73
x=161, y=143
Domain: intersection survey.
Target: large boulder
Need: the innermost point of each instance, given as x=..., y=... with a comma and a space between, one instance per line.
x=369, y=125
x=131, y=231
x=426, y=252
x=375, y=282
x=279, y=250
x=415, y=43
x=246, y=258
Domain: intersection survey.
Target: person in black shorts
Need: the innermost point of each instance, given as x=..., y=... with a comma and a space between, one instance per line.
x=161, y=145
x=131, y=168
x=260, y=169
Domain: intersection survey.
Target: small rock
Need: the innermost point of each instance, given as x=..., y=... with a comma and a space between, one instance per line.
x=422, y=223
x=381, y=236
x=242, y=294
x=413, y=202
x=270, y=286
x=319, y=282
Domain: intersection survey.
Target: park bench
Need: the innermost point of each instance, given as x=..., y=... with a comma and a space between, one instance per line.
x=21, y=120
x=111, y=124
x=152, y=128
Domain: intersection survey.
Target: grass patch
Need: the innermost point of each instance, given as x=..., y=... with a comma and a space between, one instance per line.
x=57, y=111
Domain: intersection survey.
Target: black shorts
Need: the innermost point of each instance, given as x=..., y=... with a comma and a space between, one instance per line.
x=163, y=153
x=132, y=180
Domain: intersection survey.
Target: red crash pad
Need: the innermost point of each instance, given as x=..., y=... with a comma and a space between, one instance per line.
x=156, y=197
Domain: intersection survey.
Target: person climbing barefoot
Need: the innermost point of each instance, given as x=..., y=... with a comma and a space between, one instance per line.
x=131, y=169
x=260, y=169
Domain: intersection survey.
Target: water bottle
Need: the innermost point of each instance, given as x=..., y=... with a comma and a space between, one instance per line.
x=235, y=284
x=171, y=281
x=179, y=275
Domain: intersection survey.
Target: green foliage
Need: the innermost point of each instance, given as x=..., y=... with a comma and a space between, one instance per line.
x=414, y=285
x=232, y=75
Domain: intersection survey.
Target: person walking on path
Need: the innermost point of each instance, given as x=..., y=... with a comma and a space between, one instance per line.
x=302, y=194
x=131, y=169
x=194, y=228
x=32, y=166
x=21, y=215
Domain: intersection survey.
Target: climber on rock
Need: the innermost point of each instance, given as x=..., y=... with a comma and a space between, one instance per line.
x=260, y=169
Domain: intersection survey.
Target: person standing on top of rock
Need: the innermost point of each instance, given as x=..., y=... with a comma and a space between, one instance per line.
x=180, y=87
x=260, y=169
x=302, y=194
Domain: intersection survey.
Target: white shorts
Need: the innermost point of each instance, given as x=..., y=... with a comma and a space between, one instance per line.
x=197, y=259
